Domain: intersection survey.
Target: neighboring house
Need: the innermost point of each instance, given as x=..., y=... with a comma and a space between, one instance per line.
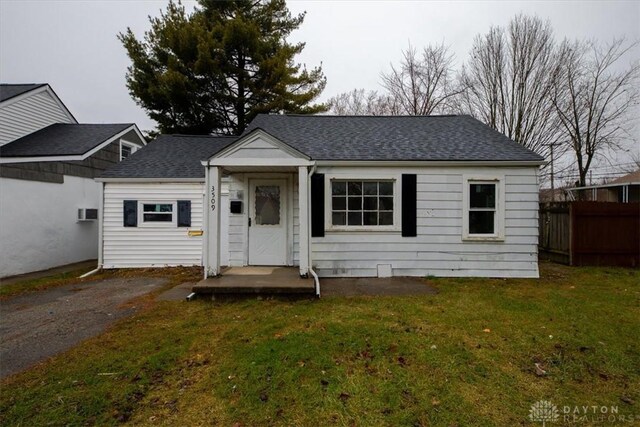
x=343, y=195
x=49, y=199
x=625, y=189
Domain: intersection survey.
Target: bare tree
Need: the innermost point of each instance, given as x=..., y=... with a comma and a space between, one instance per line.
x=362, y=103
x=507, y=80
x=423, y=83
x=593, y=100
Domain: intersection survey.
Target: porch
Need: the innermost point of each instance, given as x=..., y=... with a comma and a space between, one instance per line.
x=256, y=280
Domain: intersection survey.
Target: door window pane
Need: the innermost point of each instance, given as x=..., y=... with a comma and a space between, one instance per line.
x=267, y=204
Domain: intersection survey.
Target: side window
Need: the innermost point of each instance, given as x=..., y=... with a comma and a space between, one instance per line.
x=483, y=209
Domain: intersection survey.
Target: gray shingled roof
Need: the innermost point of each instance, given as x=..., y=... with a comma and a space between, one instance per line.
x=8, y=91
x=170, y=156
x=62, y=139
x=439, y=138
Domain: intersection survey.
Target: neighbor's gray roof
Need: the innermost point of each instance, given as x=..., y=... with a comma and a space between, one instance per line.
x=170, y=156
x=439, y=138
x=8, y=91
x=62, y=139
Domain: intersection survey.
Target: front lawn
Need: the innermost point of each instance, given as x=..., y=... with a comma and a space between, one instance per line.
x=466, y=356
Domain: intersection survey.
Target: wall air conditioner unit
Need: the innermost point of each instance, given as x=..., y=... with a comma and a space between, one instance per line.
x=87, y=214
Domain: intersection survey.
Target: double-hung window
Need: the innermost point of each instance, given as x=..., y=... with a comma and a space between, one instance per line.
x=362, y=203
x=157, y=213
x=484, y=209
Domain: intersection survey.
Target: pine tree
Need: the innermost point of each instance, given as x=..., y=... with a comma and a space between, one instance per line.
x=212, y=71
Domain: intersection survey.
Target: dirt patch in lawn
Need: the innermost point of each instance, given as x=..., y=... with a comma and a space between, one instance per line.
x=376, y=286
x=41, y=324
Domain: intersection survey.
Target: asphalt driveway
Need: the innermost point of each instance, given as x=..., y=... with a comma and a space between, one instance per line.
x=39, y=325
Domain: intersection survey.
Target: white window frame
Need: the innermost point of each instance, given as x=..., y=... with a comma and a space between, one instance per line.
x=131, y=145
x=499, y=217
x=174, y=214
x=397, y=202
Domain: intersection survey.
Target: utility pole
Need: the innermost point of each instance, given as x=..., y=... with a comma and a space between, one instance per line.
x=553, y=187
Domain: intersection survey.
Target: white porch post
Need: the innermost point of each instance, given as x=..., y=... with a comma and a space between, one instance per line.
x=303, y=202
x=213, y=221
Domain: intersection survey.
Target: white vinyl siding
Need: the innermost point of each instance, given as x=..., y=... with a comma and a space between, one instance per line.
x=28, y=115
x=439, y=249
x=148, y=246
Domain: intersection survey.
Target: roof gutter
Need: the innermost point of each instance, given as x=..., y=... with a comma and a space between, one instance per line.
x=150, y=180
x=431, y=163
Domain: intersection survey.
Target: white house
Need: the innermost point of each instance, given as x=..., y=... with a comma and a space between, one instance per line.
x=48, y=161
x=335, y=195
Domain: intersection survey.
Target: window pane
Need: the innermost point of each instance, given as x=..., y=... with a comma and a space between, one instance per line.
x=371, y=218
x=386, y=218
x=371, y=188
x=355, y=203
x=386, y=203
x=354, y=188
x=157, y=217
x=355, y=218
x=339, y=203
x=160, y=207
x=482, y=196
x=481, y=222
x=370, y=203
x=386, y=188
x=338, y=188
x=339, y=218
x=267, y=205
x=125, y=151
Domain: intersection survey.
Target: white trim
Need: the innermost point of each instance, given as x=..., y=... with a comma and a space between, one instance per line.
x=382, y=176
x=499, y=218
x=467, y=163
x=5, y=160
x=256, y=162
x=157, y=224
x=253, y=136
x=149, y=180
x=303, y=215
x=101, y=227
x=45, y=88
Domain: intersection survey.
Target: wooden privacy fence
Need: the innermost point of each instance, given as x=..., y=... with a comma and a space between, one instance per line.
x=590, y=233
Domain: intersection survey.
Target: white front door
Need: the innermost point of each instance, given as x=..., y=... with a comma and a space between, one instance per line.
x=267, y=222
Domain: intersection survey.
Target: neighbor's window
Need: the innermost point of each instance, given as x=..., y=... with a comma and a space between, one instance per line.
x=361, y=203
x=482, y=208
x=157, y=212
x=126, y=150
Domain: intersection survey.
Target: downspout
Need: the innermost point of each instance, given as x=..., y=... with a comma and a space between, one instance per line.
x=316, y=280
x=100, y=232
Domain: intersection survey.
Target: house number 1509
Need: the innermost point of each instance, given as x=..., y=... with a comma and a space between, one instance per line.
x=213, y=198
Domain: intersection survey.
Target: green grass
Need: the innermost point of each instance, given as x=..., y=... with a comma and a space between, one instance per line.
x=463, y=357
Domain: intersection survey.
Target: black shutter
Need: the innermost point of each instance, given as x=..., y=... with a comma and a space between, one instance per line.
x=130, y=213
x=184, y=213
x=409, y=205
x=317, y=205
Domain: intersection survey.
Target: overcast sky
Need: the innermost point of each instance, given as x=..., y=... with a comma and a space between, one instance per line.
x=72, y=45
